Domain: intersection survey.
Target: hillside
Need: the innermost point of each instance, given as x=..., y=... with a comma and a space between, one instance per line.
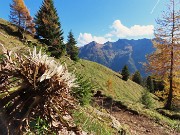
x=97, y=74
x=116, y=54
x=127, y=108
x=8, y=37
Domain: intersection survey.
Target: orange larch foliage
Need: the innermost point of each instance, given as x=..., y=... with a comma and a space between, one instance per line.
x=165, y=61
x=20, y=16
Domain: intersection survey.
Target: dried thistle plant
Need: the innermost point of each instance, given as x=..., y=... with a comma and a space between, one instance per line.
x=34, y=85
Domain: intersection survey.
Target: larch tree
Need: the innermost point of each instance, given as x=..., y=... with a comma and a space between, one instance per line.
x=20, y=16
x=165, y=61
x=48, y=28
x=71, y=48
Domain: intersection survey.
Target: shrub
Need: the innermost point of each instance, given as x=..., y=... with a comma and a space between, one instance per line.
x=83, y=93
x=147, y=100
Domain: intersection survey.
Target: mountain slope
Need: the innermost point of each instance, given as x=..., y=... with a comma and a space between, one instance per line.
x=96, y=73
x=99, y=75
x=128, y=93
x=9, y=37
x=116, y=54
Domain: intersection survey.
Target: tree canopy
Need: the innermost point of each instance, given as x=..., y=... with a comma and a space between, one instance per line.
x=165, y=61
x=20, y=16
x=125, y=73
x=137, y=78
x=48, y=28
x=71, y=48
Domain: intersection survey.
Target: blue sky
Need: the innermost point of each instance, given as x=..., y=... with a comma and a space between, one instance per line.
x=101, y=20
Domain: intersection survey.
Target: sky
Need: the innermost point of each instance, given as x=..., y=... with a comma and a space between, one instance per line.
x=101, y=20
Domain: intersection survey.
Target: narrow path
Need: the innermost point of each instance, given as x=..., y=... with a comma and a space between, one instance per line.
x=136, y=124
x=141, y=125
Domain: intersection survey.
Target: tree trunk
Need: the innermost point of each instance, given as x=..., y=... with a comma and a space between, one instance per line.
x=170, y=95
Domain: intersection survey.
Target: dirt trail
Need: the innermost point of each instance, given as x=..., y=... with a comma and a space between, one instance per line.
x=136, y=124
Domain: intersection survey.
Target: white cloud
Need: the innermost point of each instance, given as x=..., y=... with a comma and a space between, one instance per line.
x=86, y=38
x=121, y=31
x=118, y=30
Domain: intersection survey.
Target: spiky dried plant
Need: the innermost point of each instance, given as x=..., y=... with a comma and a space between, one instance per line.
x=34, y=85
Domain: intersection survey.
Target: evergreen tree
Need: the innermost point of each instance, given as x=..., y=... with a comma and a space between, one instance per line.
x=48, y=28
x=20, y=16
x=125, y=73
x=137, y=78
x=150, y=84
x=71, y=48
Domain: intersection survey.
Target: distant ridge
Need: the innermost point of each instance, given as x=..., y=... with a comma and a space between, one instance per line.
x=116, y=54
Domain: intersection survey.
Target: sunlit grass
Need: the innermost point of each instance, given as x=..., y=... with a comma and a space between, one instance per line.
x=128, y=92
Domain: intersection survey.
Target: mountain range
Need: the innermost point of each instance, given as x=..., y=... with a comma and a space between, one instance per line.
x=117, y=54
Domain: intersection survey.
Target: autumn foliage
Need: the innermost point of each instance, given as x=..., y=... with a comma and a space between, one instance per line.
x=165, y=61
x=20, y=16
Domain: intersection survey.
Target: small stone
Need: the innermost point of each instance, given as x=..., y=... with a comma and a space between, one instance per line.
x=147, y=130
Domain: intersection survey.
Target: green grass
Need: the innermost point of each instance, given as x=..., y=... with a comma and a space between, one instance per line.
x=89, y=122
x=9, y=92
x=96, y=73
x=174, y=124
x=99, y=75
x=128, y=92
x=9, y=39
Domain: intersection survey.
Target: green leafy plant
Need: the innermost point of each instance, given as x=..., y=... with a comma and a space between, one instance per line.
x=147, y=100
x=39, y=126
x=84, y=92
x=1, y=57
x=91, y=124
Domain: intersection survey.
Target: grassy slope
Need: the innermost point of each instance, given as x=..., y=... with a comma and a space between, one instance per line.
x=9, y=39
x=127, y=92
x=98, y=74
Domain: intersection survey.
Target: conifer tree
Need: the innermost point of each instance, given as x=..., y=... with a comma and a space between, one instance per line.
x=137, y=78
x=150, y=84
x=165, y=61
x=71, y=48
x=20, y=16
x=125, y=73
x=49, y=29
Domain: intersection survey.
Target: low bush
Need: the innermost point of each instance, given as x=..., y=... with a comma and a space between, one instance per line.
x=147, y=100
x=83, y=93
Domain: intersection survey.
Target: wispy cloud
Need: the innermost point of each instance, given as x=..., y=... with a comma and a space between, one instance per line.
x=155, y=6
